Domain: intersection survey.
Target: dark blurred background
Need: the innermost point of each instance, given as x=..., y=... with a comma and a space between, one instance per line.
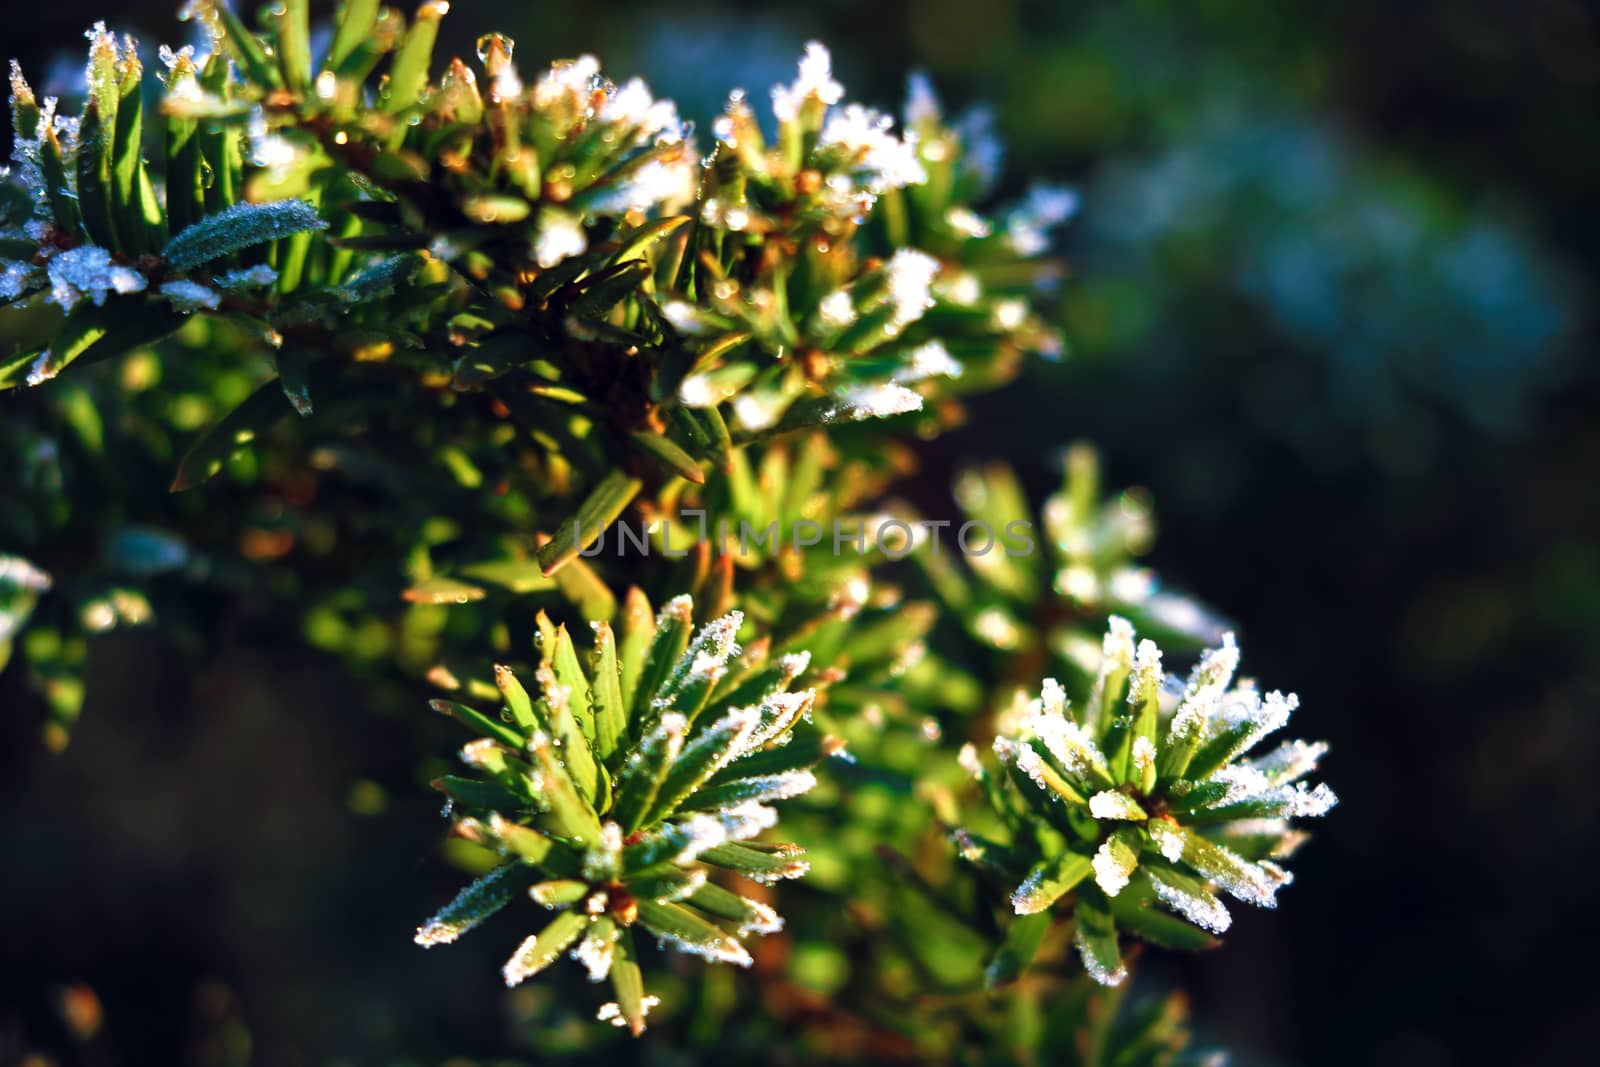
x=1331, y=302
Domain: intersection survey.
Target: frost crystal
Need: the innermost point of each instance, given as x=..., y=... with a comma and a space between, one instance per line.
x=611, y=1011
x=720, y=950
x=248, y=278
x=268, y=150
x=567, y=85
x=1145, y=683
x=1144, y=754
x=698, y=391
x=772, y=787
x=16, y=278
x=983, y=154
x=190, y=296
x=18, y=573
x=657, y=182
x=89, y=272
x=744, y=821
x=1168, y=840
x=633, y=106
x=1026, y=898
x=1029, y=224
x=699, y=832
x=815, y=82
x=685, y=318
x=778, y=712
x=560, y=236
x=1205, y=687
x=968, y=223
x=1206, y=912
x=873, y=402
x=1116, y=650
x=910, y=275
x=836, y=311
x=1290, y=761
x=928, y=361
x=1068, y=742
x=1112, y=805
x=604, y=860
x=43, y=368
x=1094, y=965
x=1113, y=865
x=1312, y=803
x=865, y=136
x=758, y=411
x=595, y=953
x=761, y=919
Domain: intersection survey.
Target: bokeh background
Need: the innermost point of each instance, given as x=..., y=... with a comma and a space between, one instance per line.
x=1332, y=302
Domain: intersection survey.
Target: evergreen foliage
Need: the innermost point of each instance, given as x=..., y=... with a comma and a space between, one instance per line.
x=419, y=345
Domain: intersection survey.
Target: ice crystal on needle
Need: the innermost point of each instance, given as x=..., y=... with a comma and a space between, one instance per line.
x=89, y=273
x=814, y=83
x=1147, y=788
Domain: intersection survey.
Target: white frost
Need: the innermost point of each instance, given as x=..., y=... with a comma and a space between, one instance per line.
x=1113, y=805
x=836, y=311
x=883, y=160
x=1205, y=912
x=595, y=953
x=1028, y=225
x=560, y=236
x=928, y=361
x=910, y=275
x=814, y=82
x=879, y=401
x=1111, y=871
x=611, y=1012
x=190, y=296
x=88, y=271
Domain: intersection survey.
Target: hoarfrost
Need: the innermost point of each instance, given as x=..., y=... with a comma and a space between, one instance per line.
x=1144, y=754
x=884, y=161
x=771, y=787
x=761, y=919
x=1290, y=761
x=1168, y=840
x=1206, y=912
x=836, y=311
x=1113, y=805
x=611, y=1012
x=1113, y=866
x=1029, y=224
x=16, y=278
x=814, y=82
x=928, y=361
x=1145, y=683
x=879, y=401
x=910, y=274
x=88, y=272
x=595, y=953
x=1095, y=966
x=722, y=950
x=567, y=84
x=248, y=278
x=190, y=296
x=560, y=236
